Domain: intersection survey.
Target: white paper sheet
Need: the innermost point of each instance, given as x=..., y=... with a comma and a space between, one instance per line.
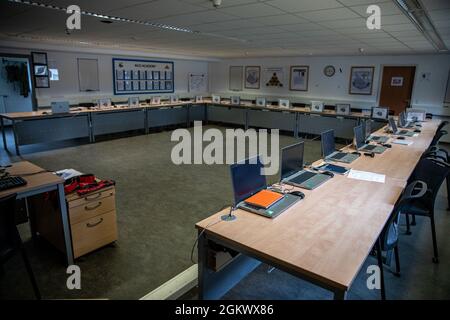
x=403, y=142
x=68, y=173
x=366, y=176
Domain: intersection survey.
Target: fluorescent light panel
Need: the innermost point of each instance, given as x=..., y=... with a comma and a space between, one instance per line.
x=416, y=12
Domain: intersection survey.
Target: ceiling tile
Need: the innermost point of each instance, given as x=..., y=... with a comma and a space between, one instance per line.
x=329, y=14
x=304, y=5
x=278, y=20
x=251, y=10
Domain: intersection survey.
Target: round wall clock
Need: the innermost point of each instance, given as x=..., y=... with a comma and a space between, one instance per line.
x=329, y=71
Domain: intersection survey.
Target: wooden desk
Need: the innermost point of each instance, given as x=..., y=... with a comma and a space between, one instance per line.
x=40, y=181
x=324, y=238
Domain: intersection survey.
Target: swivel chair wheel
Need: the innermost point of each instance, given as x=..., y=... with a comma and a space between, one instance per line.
x=435, y=260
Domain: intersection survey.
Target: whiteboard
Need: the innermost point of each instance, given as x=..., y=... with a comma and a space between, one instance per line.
x=88, y=74
x=236, y=76
x=198, y=82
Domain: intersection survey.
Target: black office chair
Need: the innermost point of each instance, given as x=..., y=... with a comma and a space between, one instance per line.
x=433, y=172
x=10, y=241
x=388, y=239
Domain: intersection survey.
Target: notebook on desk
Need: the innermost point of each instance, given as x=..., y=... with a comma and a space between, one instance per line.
x=264, y=199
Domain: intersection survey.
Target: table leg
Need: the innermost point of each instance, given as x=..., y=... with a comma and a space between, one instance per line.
x=2, y=123
x=16, y=138
x=65, y=223
x=340, y=295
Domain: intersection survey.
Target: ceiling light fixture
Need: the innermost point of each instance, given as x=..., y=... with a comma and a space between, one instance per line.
x=415, y=11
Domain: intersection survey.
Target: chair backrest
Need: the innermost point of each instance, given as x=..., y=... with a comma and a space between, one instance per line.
x=433, y=172
x=8, y=229
x=442, y=125
x=439, y=134
x=389, y=235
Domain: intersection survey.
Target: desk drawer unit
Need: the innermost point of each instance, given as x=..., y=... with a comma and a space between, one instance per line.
x=94, y=233
x=92, y=220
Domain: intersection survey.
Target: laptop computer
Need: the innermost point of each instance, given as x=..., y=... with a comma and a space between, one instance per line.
x=261, y=102
x=292, y=171
x=329, y=149
x=381, y=113
x=342, y=109
x=60, y=107
x=284, y=103
x=367, y=128
x=248, y=180
x=316, y=106
x=397, y=132
x=235, y=100
x=361, y=144
x=403, y=122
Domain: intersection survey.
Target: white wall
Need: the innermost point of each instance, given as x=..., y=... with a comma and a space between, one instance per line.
x=67, y=87
x=426, y=93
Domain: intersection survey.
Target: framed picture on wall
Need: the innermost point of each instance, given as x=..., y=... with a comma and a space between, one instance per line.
x=299, y=78
x=252, y=77
x=39, y=57
x=41, y=82
x=361, y=80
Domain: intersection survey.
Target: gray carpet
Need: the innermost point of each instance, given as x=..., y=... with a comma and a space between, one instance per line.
x=158, y=204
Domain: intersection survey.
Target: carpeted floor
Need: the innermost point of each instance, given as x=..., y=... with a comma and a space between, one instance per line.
x=158, y=204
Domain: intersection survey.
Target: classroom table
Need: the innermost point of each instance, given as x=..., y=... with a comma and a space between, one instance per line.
x=81, y=122
x=323, y=239
x=40, y=181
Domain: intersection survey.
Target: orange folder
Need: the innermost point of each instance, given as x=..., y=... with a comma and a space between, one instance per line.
x=264, y=198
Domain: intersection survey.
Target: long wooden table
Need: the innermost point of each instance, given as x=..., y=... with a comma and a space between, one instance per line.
x=43, y=126
x=324, y=238
x=40, y=181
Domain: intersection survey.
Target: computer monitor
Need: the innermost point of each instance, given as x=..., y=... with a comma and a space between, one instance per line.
x=235, y=100
x=133, y=102
x=367, y=128
x=60, y=107
x=284, y=103
x=156, y=100
x=173, y=99
x=104, y=103
x=392, y=124
x=380, y=113
x=292, y=159
x=342, y=109
x=261, y=102
x=317, y=106
x=328, y=146
x=215, y=99
x=359, y=136
x=247, y=178
x=198, y=99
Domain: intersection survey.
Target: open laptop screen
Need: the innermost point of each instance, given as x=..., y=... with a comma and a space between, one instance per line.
x=393, y=125
x=328, y=146
x=359, y=136
x=292, y=159
x=247, y=178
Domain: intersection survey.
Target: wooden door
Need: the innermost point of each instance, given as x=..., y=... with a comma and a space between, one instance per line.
x=396, y=88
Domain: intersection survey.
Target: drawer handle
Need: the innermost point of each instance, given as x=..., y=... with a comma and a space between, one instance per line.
x=87, y=208
x=91, y=225
x=98, y=195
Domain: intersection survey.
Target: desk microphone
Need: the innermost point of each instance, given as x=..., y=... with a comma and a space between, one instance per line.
x=230, y=216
